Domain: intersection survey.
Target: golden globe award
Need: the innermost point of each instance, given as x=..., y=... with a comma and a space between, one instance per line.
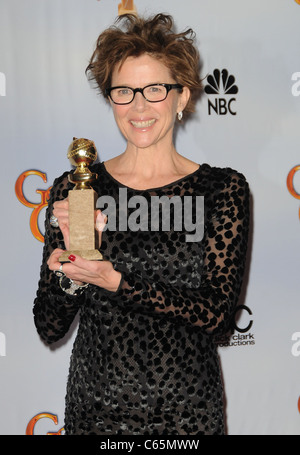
x=82, y=201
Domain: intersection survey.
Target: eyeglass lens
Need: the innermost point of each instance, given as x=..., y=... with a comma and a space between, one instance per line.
x=124, y=95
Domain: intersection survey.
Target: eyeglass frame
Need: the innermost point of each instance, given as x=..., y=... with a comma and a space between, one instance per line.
x=168, y=87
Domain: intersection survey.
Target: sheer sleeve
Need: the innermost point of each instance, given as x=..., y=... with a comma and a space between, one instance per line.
x=225, y=244
x=54, y=310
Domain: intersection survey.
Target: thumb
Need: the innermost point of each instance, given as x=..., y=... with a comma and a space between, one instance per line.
x=101, y=220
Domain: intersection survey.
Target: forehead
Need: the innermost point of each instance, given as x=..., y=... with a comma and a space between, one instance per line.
x=142, y=70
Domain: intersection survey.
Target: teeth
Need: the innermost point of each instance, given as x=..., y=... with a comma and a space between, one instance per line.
x=145, y=124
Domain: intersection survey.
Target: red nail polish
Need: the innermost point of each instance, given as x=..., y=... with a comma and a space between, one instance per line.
x=72, y=257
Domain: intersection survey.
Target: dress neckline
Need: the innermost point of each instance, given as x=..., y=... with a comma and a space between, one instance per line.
x=150, y=189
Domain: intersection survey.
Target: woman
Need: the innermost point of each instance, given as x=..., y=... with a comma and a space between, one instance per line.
x=144, y=359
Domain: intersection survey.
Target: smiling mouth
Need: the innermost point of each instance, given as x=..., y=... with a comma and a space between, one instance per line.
x=143, y=124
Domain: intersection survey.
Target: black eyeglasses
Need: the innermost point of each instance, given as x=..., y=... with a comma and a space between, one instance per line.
x=154, y=93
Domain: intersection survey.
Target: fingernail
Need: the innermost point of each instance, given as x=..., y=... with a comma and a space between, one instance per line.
x=72, y=257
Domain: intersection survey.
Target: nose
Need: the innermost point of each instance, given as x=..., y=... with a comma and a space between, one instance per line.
x=139, y=102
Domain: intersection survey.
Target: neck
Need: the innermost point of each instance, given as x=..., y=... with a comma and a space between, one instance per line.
x=149, y=168
x=147, y=163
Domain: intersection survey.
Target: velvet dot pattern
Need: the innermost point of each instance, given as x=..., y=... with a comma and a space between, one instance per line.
x=144, y=361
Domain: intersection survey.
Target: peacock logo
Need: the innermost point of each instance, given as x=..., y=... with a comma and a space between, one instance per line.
x=220, y=83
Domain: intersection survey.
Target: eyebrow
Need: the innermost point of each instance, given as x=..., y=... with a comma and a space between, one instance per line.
x=129, y=85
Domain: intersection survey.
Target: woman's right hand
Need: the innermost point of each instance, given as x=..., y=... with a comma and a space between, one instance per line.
x=61, y=212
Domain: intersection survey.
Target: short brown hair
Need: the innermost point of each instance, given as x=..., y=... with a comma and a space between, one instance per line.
x=155, y=36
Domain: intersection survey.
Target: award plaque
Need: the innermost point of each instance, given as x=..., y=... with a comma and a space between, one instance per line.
x=82, y=202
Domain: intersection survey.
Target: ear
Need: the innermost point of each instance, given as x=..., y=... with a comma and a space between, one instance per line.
x=183, y=99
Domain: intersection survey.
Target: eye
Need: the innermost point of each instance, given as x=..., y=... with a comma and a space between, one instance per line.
x=155, y=89
x=124, y=91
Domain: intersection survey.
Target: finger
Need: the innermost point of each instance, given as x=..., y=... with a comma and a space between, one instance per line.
x=101, y=220
x=93, y=272
x=100, y=273
x=85, y=270
x=61, y=205
x=79, y=272
x=61, y=212
x=53, y=260
x=83, y=265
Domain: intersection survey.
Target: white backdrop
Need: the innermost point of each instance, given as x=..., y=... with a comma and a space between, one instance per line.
x=45, y=100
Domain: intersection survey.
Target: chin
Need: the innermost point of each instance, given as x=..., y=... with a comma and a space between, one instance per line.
x=142, y=142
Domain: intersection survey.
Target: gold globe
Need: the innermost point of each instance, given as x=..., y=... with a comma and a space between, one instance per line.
x=82, y=153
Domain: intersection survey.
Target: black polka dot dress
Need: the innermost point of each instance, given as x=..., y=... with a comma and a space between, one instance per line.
x=144, y=361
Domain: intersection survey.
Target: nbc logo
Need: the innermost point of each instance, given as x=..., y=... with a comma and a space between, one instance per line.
x=221, y=83
x=2, y=84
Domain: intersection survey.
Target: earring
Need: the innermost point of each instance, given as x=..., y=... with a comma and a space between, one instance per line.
x=180, y=115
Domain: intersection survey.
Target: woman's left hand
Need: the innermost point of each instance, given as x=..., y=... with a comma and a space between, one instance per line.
x=80, y=270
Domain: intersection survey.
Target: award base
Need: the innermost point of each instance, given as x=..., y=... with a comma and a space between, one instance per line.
x=91, y=255
x=82, y=226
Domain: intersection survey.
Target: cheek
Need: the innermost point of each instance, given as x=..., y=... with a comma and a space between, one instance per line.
x=120, y=113
x=173, y=105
